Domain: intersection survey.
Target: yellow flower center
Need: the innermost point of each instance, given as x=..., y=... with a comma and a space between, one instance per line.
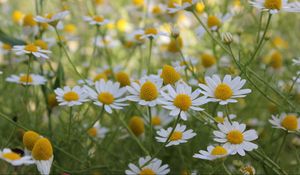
x=223, y=91
x=31, y=48
x=156, y=10
x=218, y=150
x=30, y=138
x=106, y=98
x=42, y=44
x=6, y=46
x=52, y=100
x=151, y=31
x=70, y=28
x=219, y=119
x=200, y=7
x=249, y=170
x=169, y=75
x=276, y=60
x=42, y=150
x=71, y=96
x=173, y=3
x=183, y=102
x=208, y=60
x=138, y=2
x=147, y=171
x=17, y=16
x=136, y=125
x=175, y=44
x=92, y=132
x=25, y=79
x=138, y=37
x=235, y=137
x=176, y=135
x=11, y=156
x=273, y=4
x=123, y=79
x=100, y=76
x=98, y=18
x=213, y=21
x=28, y=20
x=148, y=91
x=290, y=122
x=156, y=121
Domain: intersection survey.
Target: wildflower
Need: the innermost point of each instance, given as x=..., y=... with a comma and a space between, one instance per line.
x=29, y=139
x=14, y=158
x=51, y=99
x=224, y=91
x=42, y=154
x=220, y=118
x=96, y=20
x=235, y=137
x=97, y=131
x=160, y=118
x=214, y=23
x=107, y=94
x=169, y=75
x=31, y=49
x=175, y=6
x=137, y=126
x=227, y=38
x=70, y=96
x=180, y=100
x=51, y=19
x=288, y=122
x=106, y=42
x=275, y=6
x=123, y=78
x=17, y=16
x=24, y=79
x=5, y=48
x=248, y=170
x=212, y=153
x=180, y=135
x=208, y=60
x=152, y=33
x=153, y=167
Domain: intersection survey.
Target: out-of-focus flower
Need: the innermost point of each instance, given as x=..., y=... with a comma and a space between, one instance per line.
x=24, y=79
x=51, y=19
x=70, y=96
x=289, y=122
x=275, y=6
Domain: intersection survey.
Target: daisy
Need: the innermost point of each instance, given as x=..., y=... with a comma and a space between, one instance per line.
x=42, y=154
x=224, y=91
x=181, y=99
x=97, y=131
x=29, y=139
x=169, y=74
x=70, y=96
x=5, y=48
x=136, y=36
x=212, y=153
x=106, y=42
x=180, y=135
x=145, y=92
x=153, y=167
x=52, y=19
x=107, y=94
x=31, y=49
x=24, y=79
x=160, y=118
x=96, y=20
x=220, y=118
x=288, y=122
x=14, y=158
x=174, y=7
x=152, y=33
x=275, y=6
x=235, y=137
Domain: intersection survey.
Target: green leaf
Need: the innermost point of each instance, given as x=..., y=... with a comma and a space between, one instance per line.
x=10, y=40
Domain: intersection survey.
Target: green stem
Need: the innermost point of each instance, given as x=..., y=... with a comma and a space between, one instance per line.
x=97, y=118
x=225, y=168
x=227, y=113
x=70, y=123
x=149, y=56
x=150, y=124
x=281, y=146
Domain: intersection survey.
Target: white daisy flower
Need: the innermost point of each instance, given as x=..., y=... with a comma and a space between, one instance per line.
x=146, y=91
x=224, y=91
x=175, y=7
x=160, y=118
x=5, y=48
x=235, y=138
x=180, y=100
x=180, y=135
x=153, y=167
x=152, y=33
x=70, y=96
x=31, y=49
x=24, y=79
x=97, y=131
x=96, y=20
x=212, y=153
x=107, y=94
x=275, y=6
x=14, y=158
x=52, y=19
x=288, y=122
x=42, y=154
x=136, y=36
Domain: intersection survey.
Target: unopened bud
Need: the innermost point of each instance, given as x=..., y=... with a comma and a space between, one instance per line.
x=227, y=38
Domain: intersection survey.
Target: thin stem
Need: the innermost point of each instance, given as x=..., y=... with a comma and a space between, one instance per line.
x=97, y=118
x=70, y=122
x=150, y=124
x=227, y=113
x=149, y=56
x=225, y=168
x=281, y=146
x=293, y=84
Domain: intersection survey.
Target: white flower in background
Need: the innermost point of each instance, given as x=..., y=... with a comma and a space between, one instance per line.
x=224, y=91
x=70, y=96
x=212, y=153
x=288, y=122
x=182, y=65
x=31, y=49
x=235, y=138
x=220, y=118
x=98, y=131
x=5, y=48
x=181, y=99
x=180, y=135
x=107, y=94
x=31, y=79
x=160, y=117
x=107, y=41
x=174, y=7
x=14, y=158
x=275, y=6
x=52, y=19
x=296, y=61
x=153, y=167
x=152, y=33
x=96, y=20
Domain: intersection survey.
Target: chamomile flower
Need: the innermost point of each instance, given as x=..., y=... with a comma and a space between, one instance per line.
x=275, y=6
x=235, y=137
x=180, y=135
x=70, y=96
x=153, y=167
x=137, y=125
x=288, y=122
x=169, y=75
x=212, y=153
x=51, y=19
x=97, y=131
x=107, y=94
x=181, y=99
x=96, y=20
x=224, y=91
x=220, y=118
x=152, y=33
x=106, y=42
x=24, y=79
x=184, y=4
x=42, y=154
x=14, y=158
x=29, y=139
x=160, y=118
x=31, y=49
x=146, y=91
x=5, y=48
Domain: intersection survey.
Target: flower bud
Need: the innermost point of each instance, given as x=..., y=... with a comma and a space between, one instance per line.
x=227, y=38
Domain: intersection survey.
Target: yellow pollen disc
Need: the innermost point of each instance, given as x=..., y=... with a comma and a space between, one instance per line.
x=138, y=2
x=175, y=44
x=183, y=102
x=147, y=171
x=42, y=150
x=42, y=44
x=11, y=156
x=49, y=15
x=123, y=79
x=136, y=125
x=138, y=37
x=208, y=60
x=28, y=20
x=30, y=138
x=6, y=46
x=92, y=132
x=213, y=21
x=290, y=122
x=106, y=98
x=156, y=121
x=273, y=4
x=148, y=91
x=235, y=137
x=200, y=7
x=98, y=18
x=219, y=119
x=71, y=96
x=25, y=79
x=218, y=151
x=176, y=135
x=156, y=10
x=31, y=48
x=17, y=16
x=151, y=31
x=169, y=75
x=276, y=60
x=223, y=91
x=70, y=28
x=173, y=3
x=100, y=76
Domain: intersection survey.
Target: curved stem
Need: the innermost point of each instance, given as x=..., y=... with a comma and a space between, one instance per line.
x=281, y=146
